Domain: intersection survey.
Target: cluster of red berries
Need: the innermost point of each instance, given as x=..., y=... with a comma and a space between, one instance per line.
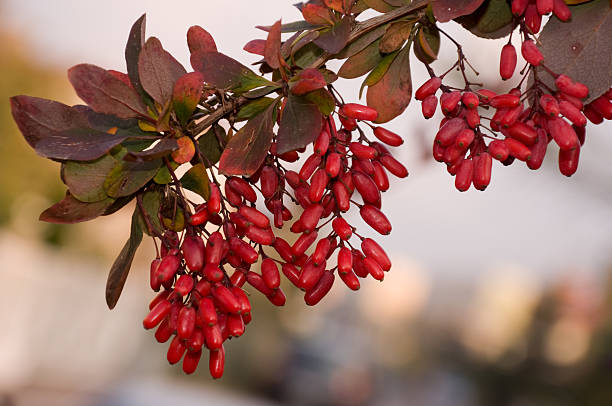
x=201, y=305
x=514, y=131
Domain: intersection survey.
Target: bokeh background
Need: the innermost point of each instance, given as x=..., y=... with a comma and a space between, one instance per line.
x=495, y=298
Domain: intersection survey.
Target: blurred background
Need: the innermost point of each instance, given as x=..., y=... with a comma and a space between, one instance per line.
x=495, y=298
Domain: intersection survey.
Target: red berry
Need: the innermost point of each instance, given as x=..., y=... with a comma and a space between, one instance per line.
x=549, y=105
x=498, y=150
x=394, y=166
x=332, y=164
x=518, y=7
x=561, y=10
x=449, y=101
x=269, y=181
x=207, y=312
x=264, y=236
x=190, y=363
x=359, y=112
x=531, y=53
x=186, y=322
x=523, y=133
x=342, y=228
x=184, y=285
x=366, y=187
x=505, y=101
x=568, y=161
x=321, y=144
x=311, y=273
x=428, y=88
x=573, y=114
x=544, y=6
x=214, y=200
x=270, y=274
x=216, y=362
x=164, y=332
x=447, y=133
x=517, y=149
x=309, y=166
x=235, y=325
x=157, y=314
x=319, y=291
x=375, y=219
x=533, y=20
x=563, y=134
x=538, y=150
x=463, y=178
x=388, y=137
x=374, y=268
x=603, y=107
x=342, y=196
x=429, y=105
x=482, y=171
x=318, y=184
x=304, y=241
x=154, y=280
x=254, y=216
x=226, y=299
x=200, y=216
x=371, y=249
x=176, y=350
x=567, y=85
x=194, y=252
x=291, y=273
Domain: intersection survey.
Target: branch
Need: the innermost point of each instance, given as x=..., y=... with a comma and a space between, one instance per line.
x=359, y=29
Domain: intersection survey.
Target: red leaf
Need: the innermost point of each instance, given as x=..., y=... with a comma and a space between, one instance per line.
x=198, y=39
x=247, y=149
x=446, y=10
x=256, y=46
x=71, y=210
x=121, y=76
x=391, y=95
x=105, y=93
x=272, y=47
x=317, y=15
x=307, y=81
x=186, y=95
x=300, y=124
x=158, y=71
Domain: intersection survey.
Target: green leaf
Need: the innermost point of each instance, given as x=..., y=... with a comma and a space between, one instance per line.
x=172, y=214
x=246, y=150
x=307, y=55
x=300, y=124
x=379, y=5
x=253, y=108
x=391, y=95
x=427, y=44
x=210, y=146
x=223, y=72
x=121, y=267
x=127, y=177
x=380, y=70
x=491, y=20
x=323, y=100
x=85, y=180
x=151, y=204
x=163, y=176
x=361, y=42
x=196, y=180
x=362, y=62
x=581, y=48
x=70, y=210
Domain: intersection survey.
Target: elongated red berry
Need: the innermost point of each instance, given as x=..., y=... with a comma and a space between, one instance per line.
x=270, y=274
x=518, y=7
x=309, y=166
x=533, y=20
x=447, y=133
x=304, y=241
x=321, y=144
x=157, y=314
x=572, y=88
x=186, y=322
x=449, y=102
x=523, y=133
x=359, y=112
x=194, y=252
x=269, y=181
x=176, y=350
x=184, y=285
x=374, y=268
x=573, y=114
x=168, y=267
x=225, y=297
x=568, y=161
x=373, y=250
x=291, y=273
x=429, y=105
x=200, y=216
x=538, y=151
x=388, y=137
x=342, y=228
x=345, y=260
x=348, y=123
x=342, y=196
x=563, y=134
x=463, y=178
x=482, y=171
x=244, y=250
x=235, y=325
x=216, y=362
x=603, y=106
x=320, y=253
x=380, y=176
x=207, y=312
x=507, y=61
x=164, y=331
x=531, y=53
x=393, y=166
x=544, y=6
x=311, y=216
x=498, y=150
x=191, y=361
x=321, y=289
x=318, y=183
x=362, y=151
x=517, y=149
x=311, y=274
x=264, y=236
x=428, y=88
x=366, y=187
x=332, y=164
x=375, y=219
x=213, y=205
x=561, y=10
x=504, y=101
x=155, y=281
x=254, y=216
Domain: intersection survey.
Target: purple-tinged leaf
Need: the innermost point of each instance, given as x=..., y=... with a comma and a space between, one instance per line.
x=77, y=144
x=335, y=38
x=290, y=27
x=247, y=149
x=362, y=62
x=121, y=267
x=446, y=10
x=198, y=39
x=301, y=123
x=226, y=73
x=105, y=93
x=186, y=95
x=71, y=210
x=392, y=93
x=133, y=47
x=163, y=148
x=581, y=48
x=37, y=118
x=379, y=5
x=158, y=71
x=272, y=47
x=318, y=15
